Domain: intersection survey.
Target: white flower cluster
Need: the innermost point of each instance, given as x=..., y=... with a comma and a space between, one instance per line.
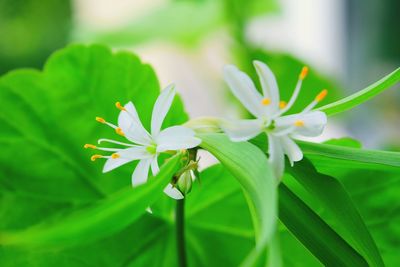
x=266, y=107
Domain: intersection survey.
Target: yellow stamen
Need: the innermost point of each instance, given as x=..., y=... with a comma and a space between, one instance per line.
x=89, y=146
x=266, y=101
x=119, y=131
x=115, y=156
x=94, y=157
x=321, y=95
x=303, y=73
x=282, y=104
x=119, y=106
x=101, y=120
x=299, y=123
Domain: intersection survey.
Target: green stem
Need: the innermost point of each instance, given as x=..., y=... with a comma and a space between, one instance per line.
x=180, y=232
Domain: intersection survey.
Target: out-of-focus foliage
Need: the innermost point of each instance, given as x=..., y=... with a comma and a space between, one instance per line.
x=184, y=22
x=31, y=30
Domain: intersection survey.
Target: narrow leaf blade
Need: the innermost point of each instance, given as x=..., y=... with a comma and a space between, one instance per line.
x=337, y=201
x=314, y=233
x=352, y=154
x=363, y=95
x=251, y=168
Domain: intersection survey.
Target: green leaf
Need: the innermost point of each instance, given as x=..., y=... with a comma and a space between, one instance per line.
x=251, y=168
x=314, y=233
x=219, y=227
x=50, y=115
x=351, y=154
x=344, y=141
x=100, y=219
x=363, y=95
x=46, y=118
x=375, y=192
x=336, y=200
x=219, y=232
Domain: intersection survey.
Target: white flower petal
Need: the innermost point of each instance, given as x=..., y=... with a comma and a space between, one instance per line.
x=269, y=86
x=131, y=126
x=314, y=123
x=242, y=130
x=126, y=155
x=161, y=108
x=173, y=192
x=176, y=138
x=141, y=173
x=154, y=166
x=244, y=90
x=276, y=156
x=291, y=149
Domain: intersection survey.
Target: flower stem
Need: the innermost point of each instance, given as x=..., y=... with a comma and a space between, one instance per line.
x=180, y=232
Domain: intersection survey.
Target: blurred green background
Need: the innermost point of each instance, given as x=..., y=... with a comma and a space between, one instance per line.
x=347, y=44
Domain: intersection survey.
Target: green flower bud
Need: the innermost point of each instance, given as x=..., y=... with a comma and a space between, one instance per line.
x=184, y=183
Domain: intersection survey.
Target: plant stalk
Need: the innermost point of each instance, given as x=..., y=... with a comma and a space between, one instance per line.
x=180, y=232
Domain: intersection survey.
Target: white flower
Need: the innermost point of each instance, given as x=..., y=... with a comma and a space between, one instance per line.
x=146, y=146
x=268, y=109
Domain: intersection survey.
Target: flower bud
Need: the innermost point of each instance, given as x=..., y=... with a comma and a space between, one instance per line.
x=184, y=183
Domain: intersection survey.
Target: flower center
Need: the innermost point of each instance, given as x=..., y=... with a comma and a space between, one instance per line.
x=152, y=149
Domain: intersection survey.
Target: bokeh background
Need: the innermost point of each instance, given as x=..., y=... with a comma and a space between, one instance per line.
x=346, y=44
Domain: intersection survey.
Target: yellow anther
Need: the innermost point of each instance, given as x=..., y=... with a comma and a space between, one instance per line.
x=94, y=157
x=119, y=131
x=101, y=120
x=266, y=101
x=89, y=146
x=299, y=123
x=119, y=106
x=303, y=73
x=115, y=156
x=282, y=104
x=321, y=95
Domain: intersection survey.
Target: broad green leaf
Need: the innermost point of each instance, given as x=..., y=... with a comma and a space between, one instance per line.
x=314, y=233
x=351, y=154
x=46, y=118
x=362, y=95
x=219, y=232
x=50, y=115
x=336, y=200
x=100, y=219
x=251, y=168
x=115, y=250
